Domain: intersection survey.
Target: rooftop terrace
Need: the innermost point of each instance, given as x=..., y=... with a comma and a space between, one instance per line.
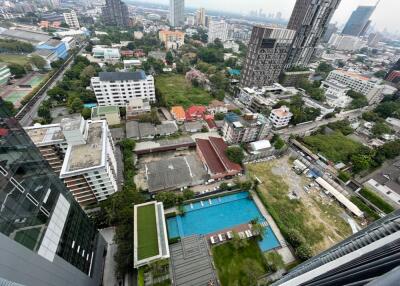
x=45, y=135
x=90, y=154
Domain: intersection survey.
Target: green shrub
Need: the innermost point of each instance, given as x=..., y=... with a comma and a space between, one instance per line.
x=376, y=200
x=344, y=176
x=369, y=213
x=303, y=252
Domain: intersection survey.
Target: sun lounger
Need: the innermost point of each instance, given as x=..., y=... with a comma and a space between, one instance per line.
x=229, y=234
x=221, y=237
x=248, y=233
x=212, y=239
x=242, y=235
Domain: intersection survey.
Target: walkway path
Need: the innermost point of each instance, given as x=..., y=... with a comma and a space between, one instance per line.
x=284, y=251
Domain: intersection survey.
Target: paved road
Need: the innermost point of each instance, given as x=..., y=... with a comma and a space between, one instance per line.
x=28, y=118
x=109, y=263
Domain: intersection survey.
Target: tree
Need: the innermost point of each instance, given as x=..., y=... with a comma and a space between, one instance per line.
x=370, y=116
x=38, y=61
x=168, y=198
x=44, y=111
x=237, y=242
x=88, y=72
x=169, y=58
x=294, y=237
x=359, y=99
x=57, y=93
x=303, y=252
x=360, y=162
x=380, y=128
x=380, y=74
x=74, y=104
x=9, y=106
x=86, y=113
x=235, y=154
x=188, y=194
x=219, y=116
x=17, y=70
x=251, y=272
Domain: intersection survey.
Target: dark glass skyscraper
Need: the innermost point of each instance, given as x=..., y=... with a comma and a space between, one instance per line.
x=359, y=21
x=45, y=237
x=115, y=13
x=310, y=19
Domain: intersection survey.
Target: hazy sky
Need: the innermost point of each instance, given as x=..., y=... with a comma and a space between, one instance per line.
x=387, y=15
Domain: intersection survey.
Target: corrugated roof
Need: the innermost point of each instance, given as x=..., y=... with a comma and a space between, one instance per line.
x=114, y=76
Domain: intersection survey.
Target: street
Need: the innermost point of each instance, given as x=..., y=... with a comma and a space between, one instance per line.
x=31, y=114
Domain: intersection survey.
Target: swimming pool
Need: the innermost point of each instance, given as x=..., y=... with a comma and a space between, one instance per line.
x=211, y=215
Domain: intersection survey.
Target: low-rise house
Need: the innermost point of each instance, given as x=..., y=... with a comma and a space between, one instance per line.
x=217, y=106
x=107, y=54
x=136, y=107
x=128, y=64
x=109, y=113
x=178, y=113
x=195, y=112
x=147, y=131
x=280, y=117
x=212, y=153
x=193, y=127
x=336, y=93
x=172, y=39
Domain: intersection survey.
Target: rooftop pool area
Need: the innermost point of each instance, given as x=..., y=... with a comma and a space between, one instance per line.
x=219, y=213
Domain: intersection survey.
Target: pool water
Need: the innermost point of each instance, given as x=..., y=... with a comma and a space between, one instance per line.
x=212, y=215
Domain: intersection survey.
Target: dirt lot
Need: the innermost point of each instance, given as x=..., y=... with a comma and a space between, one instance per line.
x=317, y=217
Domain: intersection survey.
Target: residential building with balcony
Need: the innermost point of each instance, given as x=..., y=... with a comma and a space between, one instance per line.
x=82, y=153
x=243, y=129
x=280, y=117
x=118, y=88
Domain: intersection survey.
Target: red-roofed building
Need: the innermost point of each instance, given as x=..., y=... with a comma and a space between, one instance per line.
x=195, y=112
x=126, y=53
x=212, y=154
x=211, y=124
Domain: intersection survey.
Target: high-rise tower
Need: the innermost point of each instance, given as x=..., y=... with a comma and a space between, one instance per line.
x=267, y=51
x=176, y=13
x=45, y=237
x=359, y=21
x=310, y=19
x=115, y=13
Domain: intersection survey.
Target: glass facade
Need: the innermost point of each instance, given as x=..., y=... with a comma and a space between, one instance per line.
x=36, y=209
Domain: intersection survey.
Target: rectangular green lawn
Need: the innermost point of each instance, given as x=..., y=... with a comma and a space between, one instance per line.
x=14, y=59
x=147, y=232
x=175, y=90
x=236, y=266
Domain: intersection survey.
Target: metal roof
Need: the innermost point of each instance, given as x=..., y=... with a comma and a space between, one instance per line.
x=115, y=76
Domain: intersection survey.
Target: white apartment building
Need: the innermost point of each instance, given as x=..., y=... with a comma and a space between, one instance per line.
x=336, y=93
x=231, y=45
x=201, y=17
x=118, y=88
x=280, y=117
x=248, y=128
x=359, y=83
x=82, y=153
x=72, y=20
x=346, y=42
x=218, y=30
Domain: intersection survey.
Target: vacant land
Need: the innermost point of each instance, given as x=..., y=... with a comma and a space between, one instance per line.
x=147, y=232
x=239, y=266
x=175, y=90
x=317, y=218
x=335, y=147
x=14, y=59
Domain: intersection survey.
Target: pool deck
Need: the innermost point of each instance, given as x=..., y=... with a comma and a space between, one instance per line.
x=284, y=250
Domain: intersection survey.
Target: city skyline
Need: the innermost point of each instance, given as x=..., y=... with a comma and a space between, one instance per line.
x=384, y=16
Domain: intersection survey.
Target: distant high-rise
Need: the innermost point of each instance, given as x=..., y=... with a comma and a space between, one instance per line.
x=115, y=13
x=45, y=236
x=218, y=30
x=368, y=257
x=267, y=51
x=359, y=22
x=176, y=13
x=310, y=19
x=71, y=19
x=331, y=29
x=201, y=17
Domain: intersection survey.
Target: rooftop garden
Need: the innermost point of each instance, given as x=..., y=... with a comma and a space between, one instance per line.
x=147, y=231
